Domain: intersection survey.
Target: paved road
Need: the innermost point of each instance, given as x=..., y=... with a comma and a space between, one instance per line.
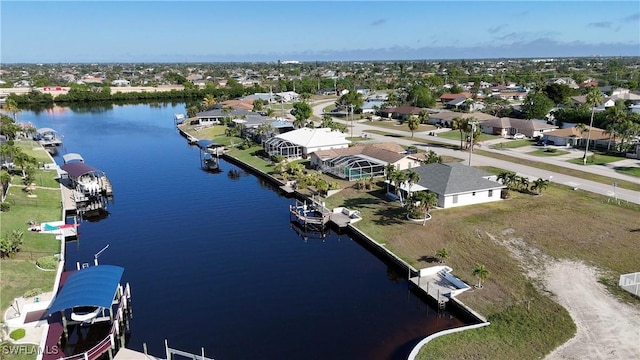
x=360, y=127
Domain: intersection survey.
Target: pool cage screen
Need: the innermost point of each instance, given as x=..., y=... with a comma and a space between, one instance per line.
x=279, y=147
x=354, y=167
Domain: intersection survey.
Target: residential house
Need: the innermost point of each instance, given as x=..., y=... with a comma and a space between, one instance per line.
x=120, y=82
x=214, y=116
x=238, y=104
x=507, y=126
x=363, y=161
x=456, y=184
x=444, y=118
x=300, y=143
x=572, y=136
x=444, y=98
x=401, y=113
x=564, y=81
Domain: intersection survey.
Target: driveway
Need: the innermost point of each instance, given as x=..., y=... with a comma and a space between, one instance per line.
x=532, y=173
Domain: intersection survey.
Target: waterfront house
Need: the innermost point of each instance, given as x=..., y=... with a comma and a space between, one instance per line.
x=216, y=116
x=302, y=142
x=363, y=161
x=444, y=118
x=456, y=184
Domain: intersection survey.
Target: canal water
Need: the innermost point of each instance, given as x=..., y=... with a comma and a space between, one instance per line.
x=213, y=261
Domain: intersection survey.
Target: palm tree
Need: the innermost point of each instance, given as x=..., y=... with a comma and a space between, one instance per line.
x=460, y=124
x=413, y=123
x=12, y=108
x=594, y=98
x=539, y=185
x=614, y=114
x=5, y=180
x=23, y=160
x=398, y=178
x=481, y=273
x=523, y=181
x=270, y=112
x=209, y=100
x=388, y=173
x=442, y=255
x=412, y=178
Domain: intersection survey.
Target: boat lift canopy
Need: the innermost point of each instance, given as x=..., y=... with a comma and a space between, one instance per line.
x=206, y=144
x=45, y=131
x=75, y=170
x=71, y=157
x=92, y=286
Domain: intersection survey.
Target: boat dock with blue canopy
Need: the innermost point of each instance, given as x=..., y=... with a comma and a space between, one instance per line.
x=208, y=154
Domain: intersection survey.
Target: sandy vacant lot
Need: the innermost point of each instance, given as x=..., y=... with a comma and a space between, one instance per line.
x=606, y=327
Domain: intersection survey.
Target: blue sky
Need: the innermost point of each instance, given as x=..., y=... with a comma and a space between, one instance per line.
x=211, y=31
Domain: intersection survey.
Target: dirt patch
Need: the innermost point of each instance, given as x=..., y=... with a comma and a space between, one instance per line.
x=606, y=327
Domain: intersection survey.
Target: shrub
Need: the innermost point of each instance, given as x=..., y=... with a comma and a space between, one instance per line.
x=17, y=334
x=47, y=262
x=5, y=206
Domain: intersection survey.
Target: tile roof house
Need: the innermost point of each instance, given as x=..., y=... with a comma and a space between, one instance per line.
x=507, y=126
x=445, y=117
x=401, y=112
x=363, y=160
x=456, y=184
x=448, y=97
x=572, y=136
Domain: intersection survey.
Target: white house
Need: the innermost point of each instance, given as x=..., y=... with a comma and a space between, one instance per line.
x=120, y=82
x=302, y=142
x=456, y=184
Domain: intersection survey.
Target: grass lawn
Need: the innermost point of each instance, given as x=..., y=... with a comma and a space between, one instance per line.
x=18, y=352
x=20, y=276
x=396, y=125
x=548, y=152
x=512, y=144
x=561, y=170
x=455, y=135
x=526, y=324
x=633, y=171
x=597, y=159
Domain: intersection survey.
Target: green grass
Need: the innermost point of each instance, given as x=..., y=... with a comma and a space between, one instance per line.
x=396, y=125
x=513, y=144
x=597, y=159
x=455, y=135
x=525, y=323
x=20, y=276
x=561, y=170
x=633, y=171
x=10, y=351
x=546, y=152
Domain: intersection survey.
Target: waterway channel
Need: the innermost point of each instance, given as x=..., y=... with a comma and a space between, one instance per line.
x=213, y=261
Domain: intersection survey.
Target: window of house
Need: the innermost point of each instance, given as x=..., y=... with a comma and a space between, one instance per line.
x=455, y=199
x=490, y=193
x=473, y=193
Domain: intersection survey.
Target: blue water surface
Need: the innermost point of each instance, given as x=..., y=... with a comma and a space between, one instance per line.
x=213, y=261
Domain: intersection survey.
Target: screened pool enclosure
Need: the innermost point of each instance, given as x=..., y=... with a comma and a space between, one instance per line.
x=279, y=147
x=354, y=167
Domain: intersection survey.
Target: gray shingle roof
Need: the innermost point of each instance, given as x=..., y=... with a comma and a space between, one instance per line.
x=454, y=178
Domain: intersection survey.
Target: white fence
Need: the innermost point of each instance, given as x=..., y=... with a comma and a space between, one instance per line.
x=630, y=283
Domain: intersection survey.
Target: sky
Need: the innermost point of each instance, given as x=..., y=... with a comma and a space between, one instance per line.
x=247, y=31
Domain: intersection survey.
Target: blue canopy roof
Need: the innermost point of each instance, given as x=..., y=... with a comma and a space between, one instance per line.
x=92, y=286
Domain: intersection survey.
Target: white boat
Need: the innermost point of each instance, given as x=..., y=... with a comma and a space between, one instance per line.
x=85, y=313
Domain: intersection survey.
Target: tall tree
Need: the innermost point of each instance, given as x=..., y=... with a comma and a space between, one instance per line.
x=388, y=173
x=208, y=101
x=12, y=108
x=302, y=111
x=460, y=124
x=594, y=98
x=414, y=124
x=412, y=179
x=536, y=105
